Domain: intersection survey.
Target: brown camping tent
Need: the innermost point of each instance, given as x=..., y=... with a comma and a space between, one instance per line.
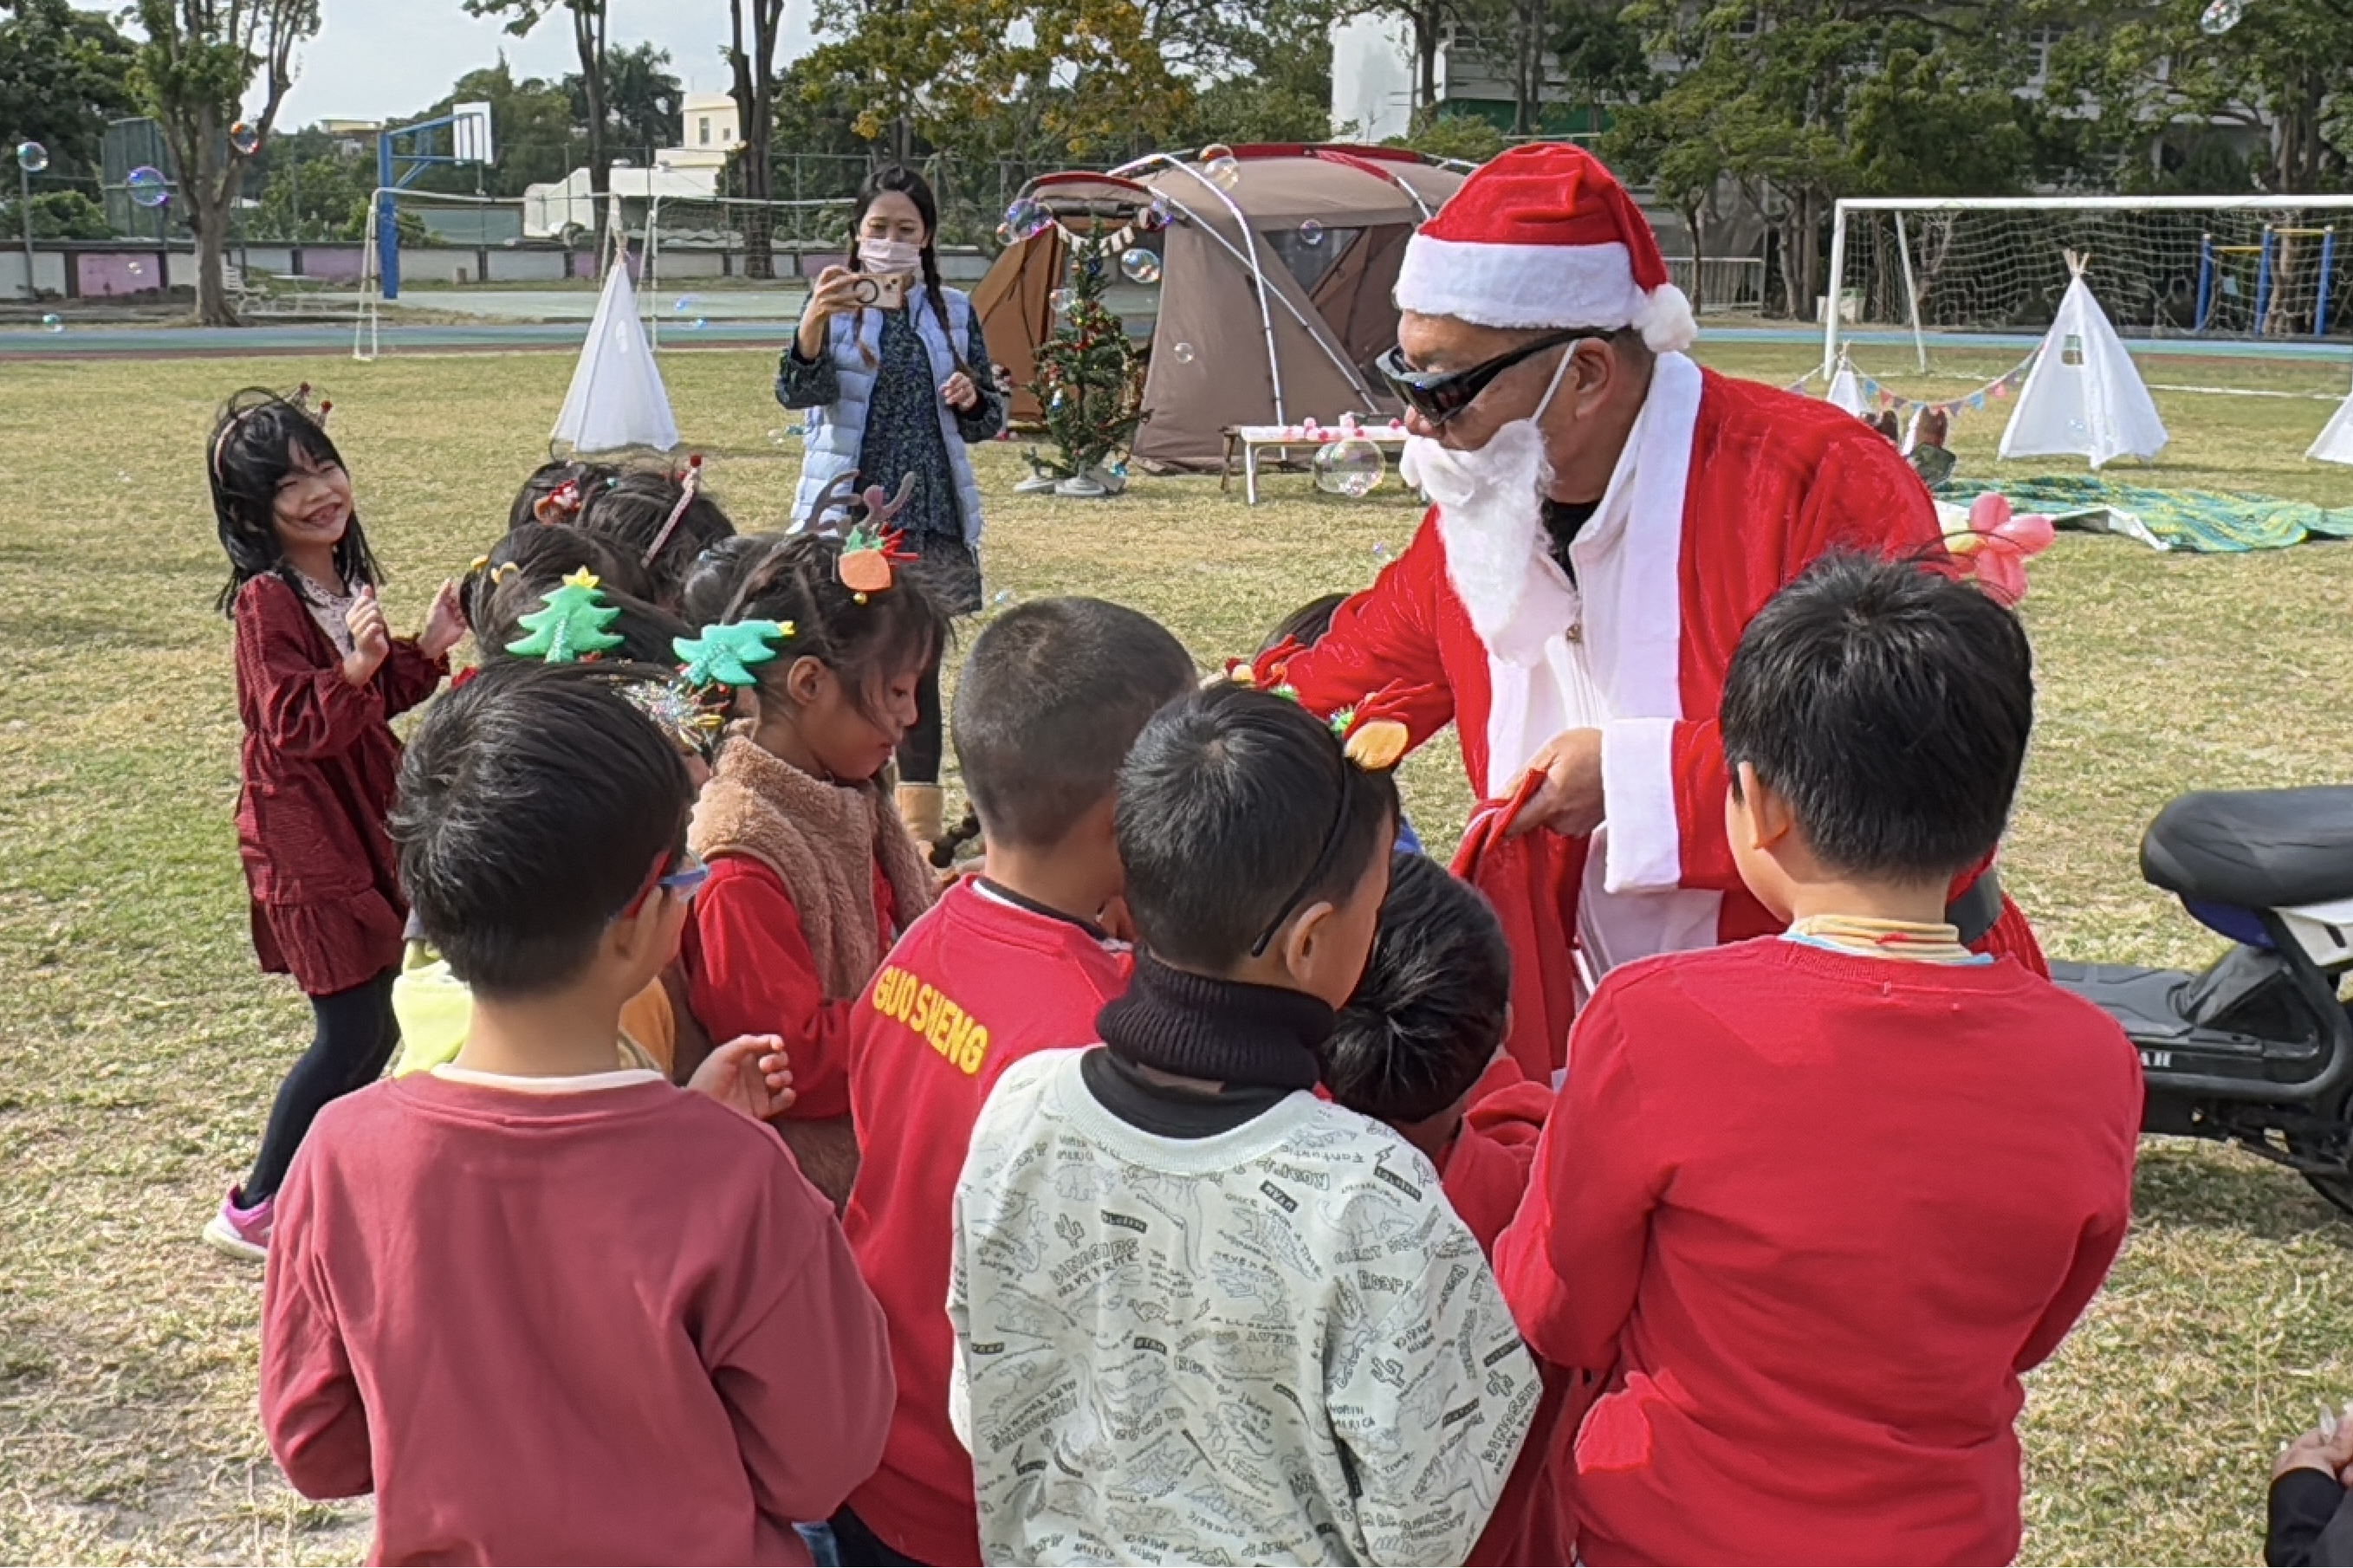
x=1273, y=291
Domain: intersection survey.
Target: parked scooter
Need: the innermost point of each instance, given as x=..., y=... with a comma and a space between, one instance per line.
x=2257, y=1049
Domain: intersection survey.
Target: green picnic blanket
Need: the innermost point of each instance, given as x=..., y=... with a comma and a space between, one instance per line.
x=2214, y=521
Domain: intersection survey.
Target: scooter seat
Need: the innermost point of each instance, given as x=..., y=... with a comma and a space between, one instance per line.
x=2257, y=850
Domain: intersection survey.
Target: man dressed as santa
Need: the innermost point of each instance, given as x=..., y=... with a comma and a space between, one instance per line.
x=1607, y=517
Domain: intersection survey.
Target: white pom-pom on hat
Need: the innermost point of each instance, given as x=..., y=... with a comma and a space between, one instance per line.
x=1666, y=321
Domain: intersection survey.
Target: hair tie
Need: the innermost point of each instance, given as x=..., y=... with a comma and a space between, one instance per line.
x=725, y=655
x=558, y=505
x=477, y=564
x=571, y=625
x=691, y=483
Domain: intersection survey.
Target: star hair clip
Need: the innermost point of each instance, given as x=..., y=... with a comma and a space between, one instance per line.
x=725, y=655
x=569, y=627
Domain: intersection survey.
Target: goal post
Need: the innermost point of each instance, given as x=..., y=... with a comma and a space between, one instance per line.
x=706, y=260
x=1914, y=283
x=442, y=240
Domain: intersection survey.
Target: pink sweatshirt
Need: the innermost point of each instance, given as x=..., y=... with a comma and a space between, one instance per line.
x=613, y=1324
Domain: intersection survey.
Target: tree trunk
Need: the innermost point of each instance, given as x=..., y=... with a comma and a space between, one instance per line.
x=1425, y=51
x=213, y=306
x=589, y=36
x=1690, y=211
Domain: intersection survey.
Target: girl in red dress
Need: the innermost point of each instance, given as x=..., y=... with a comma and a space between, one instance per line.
x=317, y=678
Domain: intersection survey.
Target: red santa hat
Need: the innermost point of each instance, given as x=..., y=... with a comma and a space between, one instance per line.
x=1544, y=237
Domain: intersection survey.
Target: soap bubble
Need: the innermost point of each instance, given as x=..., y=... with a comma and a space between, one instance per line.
x=1025, y=217
x=1310, y=232
x=1140, y=266
x=244, y=138
x=1181, y=352
x=1380, y=552
x=683, y=303
x=1059, y=301
x=52, y=322
x=1004, y=596
x=147, y=186
x=777, y=438
x=1351, y=467
x=695, y=325
x=1005, y=233
x=1223, y=168
x=135, y=268
x=32, y=157
x=1161, y=213
x=2221, y=17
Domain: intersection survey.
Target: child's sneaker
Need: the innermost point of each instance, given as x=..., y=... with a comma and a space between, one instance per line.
x=242, y=1232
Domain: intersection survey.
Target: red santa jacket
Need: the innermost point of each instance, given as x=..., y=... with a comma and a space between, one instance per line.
x=1764, y=482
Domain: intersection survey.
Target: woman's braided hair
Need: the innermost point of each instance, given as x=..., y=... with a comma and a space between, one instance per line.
x=915, y=188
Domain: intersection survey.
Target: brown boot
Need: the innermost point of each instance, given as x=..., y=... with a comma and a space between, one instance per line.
x=922, y=807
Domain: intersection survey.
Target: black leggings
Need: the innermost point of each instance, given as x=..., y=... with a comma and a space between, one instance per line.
x=356, y=1034
x=919, y=748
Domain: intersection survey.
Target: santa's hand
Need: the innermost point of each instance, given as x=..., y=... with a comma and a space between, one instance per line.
x=1569, y=802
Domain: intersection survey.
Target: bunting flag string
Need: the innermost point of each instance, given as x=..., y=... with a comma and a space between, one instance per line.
x=1876, y=395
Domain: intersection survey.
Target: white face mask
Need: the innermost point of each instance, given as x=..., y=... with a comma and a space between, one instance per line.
x=1490, y=509
x=885, y=257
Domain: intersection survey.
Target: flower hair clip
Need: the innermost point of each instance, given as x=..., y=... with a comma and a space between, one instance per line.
x=690, y=485
x=570, y=625
x=725, y=655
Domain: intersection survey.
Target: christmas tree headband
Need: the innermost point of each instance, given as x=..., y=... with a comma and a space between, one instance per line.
x=570, y=624
x=725, y=655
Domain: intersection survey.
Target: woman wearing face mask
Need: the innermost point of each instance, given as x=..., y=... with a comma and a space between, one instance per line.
x=892, y=371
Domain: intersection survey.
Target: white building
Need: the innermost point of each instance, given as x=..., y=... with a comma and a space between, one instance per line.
x=710, y=129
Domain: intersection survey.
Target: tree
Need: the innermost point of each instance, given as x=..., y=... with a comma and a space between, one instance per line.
x=1466, y=138
x=63, y=75
x=752, y=82
x=58, y=215
x=194, y=71
x=642, y=99
x=588, y=41
x=1430, y=21
x=1086, y=379
x=531, y=120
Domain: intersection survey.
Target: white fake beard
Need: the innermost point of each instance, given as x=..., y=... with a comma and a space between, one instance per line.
x=1490, y=515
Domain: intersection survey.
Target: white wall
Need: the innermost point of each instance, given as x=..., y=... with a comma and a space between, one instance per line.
x=1373, y=75
x=49, y=271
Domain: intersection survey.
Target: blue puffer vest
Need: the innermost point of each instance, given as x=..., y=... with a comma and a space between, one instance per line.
x=836, y=431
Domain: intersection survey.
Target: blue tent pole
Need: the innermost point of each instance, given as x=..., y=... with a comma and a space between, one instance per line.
x=2262, y=280
x=387, y=219
x=2320, y=291
x=2205, y=279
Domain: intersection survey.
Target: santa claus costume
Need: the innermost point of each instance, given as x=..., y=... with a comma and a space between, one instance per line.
x=1724, y=491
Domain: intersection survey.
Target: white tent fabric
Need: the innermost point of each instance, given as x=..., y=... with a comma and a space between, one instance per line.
x=1846, y=391
x=616, y=398
x=2084, y=397
x=2335, y=444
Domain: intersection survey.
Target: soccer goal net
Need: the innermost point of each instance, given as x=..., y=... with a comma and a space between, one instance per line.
x=708, y=262
x=2213, y=291
x=441, y=257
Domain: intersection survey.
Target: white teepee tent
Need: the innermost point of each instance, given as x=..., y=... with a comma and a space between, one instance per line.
x=1846, y=391
x=616, y=398
x=2084, y=397
x=2335, y=444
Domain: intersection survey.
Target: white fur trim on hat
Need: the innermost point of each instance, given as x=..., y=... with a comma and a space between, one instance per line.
x=1540, y=286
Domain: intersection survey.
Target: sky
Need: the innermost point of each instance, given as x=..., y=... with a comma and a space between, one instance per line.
x=374, y=59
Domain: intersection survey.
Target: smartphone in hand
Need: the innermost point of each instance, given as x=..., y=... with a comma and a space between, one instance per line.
x=887, y=291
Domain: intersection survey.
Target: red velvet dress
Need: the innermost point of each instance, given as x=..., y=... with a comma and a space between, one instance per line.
x=318, y=769
x=1760, y=483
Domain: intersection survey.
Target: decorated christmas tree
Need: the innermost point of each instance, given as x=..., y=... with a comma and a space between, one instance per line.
x=1087, y=380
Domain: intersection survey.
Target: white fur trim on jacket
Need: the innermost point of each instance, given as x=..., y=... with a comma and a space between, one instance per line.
x=1540, y=286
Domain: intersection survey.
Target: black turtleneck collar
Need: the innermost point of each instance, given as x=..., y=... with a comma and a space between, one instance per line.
x=1562, y=520
x=1259, y=1036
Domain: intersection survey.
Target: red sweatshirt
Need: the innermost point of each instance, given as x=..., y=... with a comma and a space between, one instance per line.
x=1485, y=1171
x=975, y=984
x=750, y=972
x=1819, y=1211
x=610, y=1325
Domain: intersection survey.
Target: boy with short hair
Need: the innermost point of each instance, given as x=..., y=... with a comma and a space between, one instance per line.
x=1420, y=1044
x=1820, y=1198
x=547, y=1311
x=1008, y=963
x=1201, y=1314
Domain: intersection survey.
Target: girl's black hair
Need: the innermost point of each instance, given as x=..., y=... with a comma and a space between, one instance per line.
x=253, y=450
x=629, y=514
x=546, y=553
x=915, y=188
x=711, y=583
x=1306, y=624
x=799, y=580
x=549, y=478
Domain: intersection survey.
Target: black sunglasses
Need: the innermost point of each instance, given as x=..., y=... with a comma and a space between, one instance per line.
x=1440, y=396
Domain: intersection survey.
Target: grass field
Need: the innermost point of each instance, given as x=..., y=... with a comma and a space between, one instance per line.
x=140, y=1049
